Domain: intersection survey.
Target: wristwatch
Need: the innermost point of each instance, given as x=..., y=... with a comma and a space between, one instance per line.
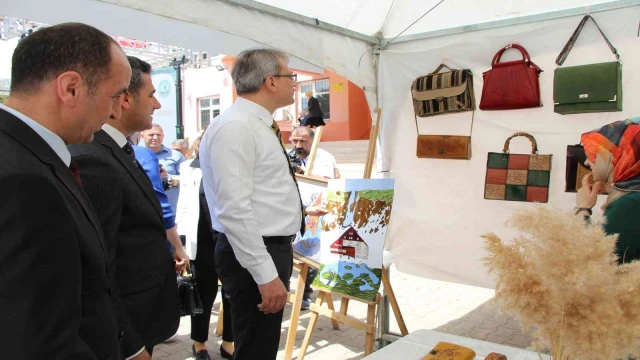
x=584, y=209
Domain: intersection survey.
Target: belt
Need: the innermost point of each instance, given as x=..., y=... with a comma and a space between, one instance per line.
x=278, y=239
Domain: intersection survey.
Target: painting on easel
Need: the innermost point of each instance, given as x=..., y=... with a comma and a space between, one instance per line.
x=312, y=193
x=353, y=235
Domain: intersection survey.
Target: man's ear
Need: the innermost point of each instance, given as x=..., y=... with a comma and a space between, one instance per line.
x=127, y=99
x=270, y=83
x=68, y=85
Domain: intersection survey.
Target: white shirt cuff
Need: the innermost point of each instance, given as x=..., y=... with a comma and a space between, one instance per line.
x=136, y=354
x=264, y=273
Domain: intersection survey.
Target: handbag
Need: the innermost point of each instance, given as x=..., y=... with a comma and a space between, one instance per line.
x=190, y=302
x=512, y=84
x=444, y=350
x=518, y=177
x=576, y=170
x=587, y=88
x=441, y=93
x=444, y=147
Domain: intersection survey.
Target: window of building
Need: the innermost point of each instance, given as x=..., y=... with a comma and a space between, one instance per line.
x=320, y=90
x=209, y=109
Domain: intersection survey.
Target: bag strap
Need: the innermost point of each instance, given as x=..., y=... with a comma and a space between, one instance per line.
x=534, y=144
x=567, y=48
x=440, y=68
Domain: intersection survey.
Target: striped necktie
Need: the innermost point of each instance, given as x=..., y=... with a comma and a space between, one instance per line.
x=276, y=130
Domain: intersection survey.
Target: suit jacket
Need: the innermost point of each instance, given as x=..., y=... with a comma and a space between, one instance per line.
x=142, y=270
x=314, y=108
x=55, y=299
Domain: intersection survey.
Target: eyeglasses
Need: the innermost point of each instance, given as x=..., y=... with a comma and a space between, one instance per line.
x=293, y=77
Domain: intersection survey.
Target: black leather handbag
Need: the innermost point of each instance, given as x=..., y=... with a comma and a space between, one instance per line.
x=190, y=303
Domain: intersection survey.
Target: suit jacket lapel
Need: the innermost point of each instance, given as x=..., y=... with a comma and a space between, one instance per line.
x=139, y=176
x=22, y=133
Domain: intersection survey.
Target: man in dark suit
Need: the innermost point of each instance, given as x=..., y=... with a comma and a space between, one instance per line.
x=55, y=300
x=140, y=265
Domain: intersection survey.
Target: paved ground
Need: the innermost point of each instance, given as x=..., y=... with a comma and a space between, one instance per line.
x=425, y=304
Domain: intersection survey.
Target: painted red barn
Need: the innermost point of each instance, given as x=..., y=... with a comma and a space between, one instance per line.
x=350, y=244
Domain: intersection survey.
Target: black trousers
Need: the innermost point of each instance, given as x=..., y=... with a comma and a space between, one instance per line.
x=311, y=275
x=204, y=271
x=256, y=334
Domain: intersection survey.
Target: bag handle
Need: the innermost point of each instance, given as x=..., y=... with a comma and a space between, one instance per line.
x=440, y=68
x=187, y=270
x=523, y=51
x=534, y=144
x=567, y=48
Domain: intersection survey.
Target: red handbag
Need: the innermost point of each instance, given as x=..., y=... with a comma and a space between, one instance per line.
x=512, y=84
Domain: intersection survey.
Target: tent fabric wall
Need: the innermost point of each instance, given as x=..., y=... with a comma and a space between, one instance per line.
x=439, y=208
x=440, y=211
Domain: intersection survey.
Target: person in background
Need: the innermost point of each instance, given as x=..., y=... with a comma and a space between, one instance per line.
x=194, y=223
x=143, y=274
x=313, y=118
x=169, y=159
x=181, y=146
x=613, y=154
x=324, y=164
x=55, y=290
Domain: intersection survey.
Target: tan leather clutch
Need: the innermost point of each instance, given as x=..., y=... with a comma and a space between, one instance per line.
x=449, y=351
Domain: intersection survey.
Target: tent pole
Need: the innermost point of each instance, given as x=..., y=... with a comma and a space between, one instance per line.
x=519, y=20
x=300, y=19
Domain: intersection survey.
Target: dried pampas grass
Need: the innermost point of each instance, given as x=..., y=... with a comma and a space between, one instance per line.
x=560, y=278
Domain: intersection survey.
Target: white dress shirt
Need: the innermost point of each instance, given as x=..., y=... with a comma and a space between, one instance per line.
x=115, y=134
x=53, y=140
x=188, y=209
x=248, y=186
x=323, y=165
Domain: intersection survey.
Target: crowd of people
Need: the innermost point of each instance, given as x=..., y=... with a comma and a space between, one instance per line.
x=94, y=236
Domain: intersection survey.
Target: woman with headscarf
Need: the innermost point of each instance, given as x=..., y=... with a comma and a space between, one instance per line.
x=613, y=154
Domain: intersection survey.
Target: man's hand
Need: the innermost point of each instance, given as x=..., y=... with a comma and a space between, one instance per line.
x=587, y=196
x=144, y=355
x=274, y=296
x=316, y=210
x=299, y=170
x=181, y=258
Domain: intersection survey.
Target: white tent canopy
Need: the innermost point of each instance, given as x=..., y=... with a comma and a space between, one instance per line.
x=439, y=210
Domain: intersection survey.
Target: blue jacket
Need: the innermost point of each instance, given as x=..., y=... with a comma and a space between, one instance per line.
x=151, y=166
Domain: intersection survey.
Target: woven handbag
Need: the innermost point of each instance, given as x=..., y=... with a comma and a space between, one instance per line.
x=441, y=93
x=576, y=170
x=518, y=177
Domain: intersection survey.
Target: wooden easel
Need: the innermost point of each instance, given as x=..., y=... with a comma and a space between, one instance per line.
x=302, y=265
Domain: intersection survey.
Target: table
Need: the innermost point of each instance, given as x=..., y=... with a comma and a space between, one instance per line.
x=418, y=343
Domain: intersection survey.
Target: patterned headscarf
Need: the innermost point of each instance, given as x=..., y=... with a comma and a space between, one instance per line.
x=614, y=152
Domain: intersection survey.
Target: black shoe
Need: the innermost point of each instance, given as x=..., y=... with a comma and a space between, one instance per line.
x=225, y=354
x=200, y=355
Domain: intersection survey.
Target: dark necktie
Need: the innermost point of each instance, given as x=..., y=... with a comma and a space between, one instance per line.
x=129, y=151
x=74, y=171
x=276, y=130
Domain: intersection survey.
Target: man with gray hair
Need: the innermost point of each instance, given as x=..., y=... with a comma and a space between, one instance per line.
x=254, y=201
x=181, y=146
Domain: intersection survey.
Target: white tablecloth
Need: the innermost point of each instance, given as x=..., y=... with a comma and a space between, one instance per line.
x=418, y=343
